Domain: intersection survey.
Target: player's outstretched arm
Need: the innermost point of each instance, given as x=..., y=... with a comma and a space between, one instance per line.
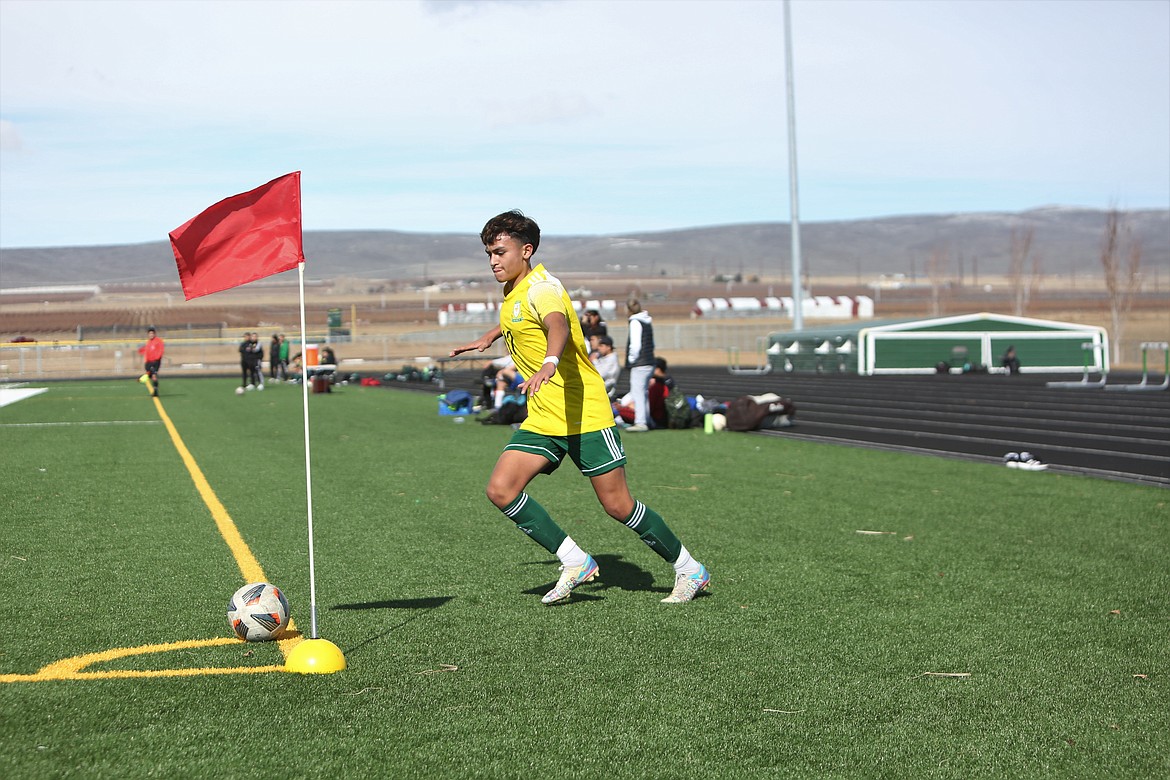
x=480, y=344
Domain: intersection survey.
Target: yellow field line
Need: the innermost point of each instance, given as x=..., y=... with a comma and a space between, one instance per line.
x=72, y=668
x=131, y=673
x=248, y=564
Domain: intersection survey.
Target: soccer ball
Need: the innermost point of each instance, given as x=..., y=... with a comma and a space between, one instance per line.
x=258, y=612
x=239, y=391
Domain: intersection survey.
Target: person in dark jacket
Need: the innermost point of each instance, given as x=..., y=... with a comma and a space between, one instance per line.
x=251, y=355
x=276, y=369
x=1010, y=362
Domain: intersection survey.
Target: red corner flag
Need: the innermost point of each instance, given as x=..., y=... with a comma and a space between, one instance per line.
x=241, y=239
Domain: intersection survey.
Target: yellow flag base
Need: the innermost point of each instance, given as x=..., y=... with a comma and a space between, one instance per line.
x=315, y=656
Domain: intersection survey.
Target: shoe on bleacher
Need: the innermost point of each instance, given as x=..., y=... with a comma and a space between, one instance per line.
x=687, y=586
x=571, y=578
x=1012, y=460
x=1029, y=462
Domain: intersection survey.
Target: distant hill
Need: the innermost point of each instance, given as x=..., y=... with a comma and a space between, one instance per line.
x=968, y=245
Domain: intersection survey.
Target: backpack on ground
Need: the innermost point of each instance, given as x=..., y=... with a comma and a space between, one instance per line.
x=509, y=413
x=458, y=400
x=755, y=412
x=679, y=412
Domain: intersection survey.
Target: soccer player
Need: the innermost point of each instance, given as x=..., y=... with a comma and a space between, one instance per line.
x=152, y=355
x=569, y=415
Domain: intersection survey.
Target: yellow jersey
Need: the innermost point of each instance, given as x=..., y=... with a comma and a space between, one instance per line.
x=574, y=400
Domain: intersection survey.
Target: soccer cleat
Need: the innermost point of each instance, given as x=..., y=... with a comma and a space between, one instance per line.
x=686, y=587
x=571, y=578
x=636, y=428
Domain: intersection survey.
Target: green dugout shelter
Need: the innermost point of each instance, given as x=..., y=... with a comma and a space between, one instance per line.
x=919, y=346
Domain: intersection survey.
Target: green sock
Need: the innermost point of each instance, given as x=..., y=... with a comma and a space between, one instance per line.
x=653, y=530
x=531, y=518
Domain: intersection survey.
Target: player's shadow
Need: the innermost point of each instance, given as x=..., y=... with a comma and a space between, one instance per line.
x=613, y=572
x=420, y=607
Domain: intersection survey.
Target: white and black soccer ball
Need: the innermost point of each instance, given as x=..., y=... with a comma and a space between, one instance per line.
x=258, y=612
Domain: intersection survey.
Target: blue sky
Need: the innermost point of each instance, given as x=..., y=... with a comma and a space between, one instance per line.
x=121, y=120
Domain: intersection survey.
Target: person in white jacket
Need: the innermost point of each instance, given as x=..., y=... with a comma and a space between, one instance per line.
x=640, y=361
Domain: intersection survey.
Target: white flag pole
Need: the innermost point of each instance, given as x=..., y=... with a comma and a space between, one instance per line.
x=793, y=188
x=308, y=466
x=314, y=655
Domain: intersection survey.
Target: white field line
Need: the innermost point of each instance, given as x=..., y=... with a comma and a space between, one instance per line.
x=10, y=395
x=80, y=422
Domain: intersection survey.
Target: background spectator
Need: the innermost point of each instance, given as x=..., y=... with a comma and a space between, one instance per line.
x=640, y=361
x=606, y=362
x=1010, y=361
x=661, y=383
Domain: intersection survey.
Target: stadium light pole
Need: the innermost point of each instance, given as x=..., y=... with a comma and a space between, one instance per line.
x=793, y=191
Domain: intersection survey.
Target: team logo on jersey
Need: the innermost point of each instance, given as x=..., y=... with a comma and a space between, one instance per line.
x=516, y=312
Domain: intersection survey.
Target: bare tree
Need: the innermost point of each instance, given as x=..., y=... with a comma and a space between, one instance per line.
x=1023, y=269
x=1121, y=260
x=936, y=270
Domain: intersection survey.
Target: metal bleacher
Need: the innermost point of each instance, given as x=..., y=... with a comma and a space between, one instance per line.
x=1124, y=436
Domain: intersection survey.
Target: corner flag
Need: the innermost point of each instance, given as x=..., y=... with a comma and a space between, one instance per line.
x=241, y=239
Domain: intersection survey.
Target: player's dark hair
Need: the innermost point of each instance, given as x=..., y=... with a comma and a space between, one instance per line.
x=515, y=224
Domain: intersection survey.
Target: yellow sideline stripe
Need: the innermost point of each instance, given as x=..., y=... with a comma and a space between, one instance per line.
x=248, y=564
x=71, y=668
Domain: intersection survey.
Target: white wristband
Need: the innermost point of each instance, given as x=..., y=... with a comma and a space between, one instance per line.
x=556, y=361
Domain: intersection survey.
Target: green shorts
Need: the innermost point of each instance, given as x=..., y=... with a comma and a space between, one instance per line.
x=594, y=453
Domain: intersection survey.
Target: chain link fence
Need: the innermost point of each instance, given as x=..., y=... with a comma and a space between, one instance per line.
x=204, y=351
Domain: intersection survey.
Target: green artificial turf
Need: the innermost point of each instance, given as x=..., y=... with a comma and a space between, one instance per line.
x=818, y=654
